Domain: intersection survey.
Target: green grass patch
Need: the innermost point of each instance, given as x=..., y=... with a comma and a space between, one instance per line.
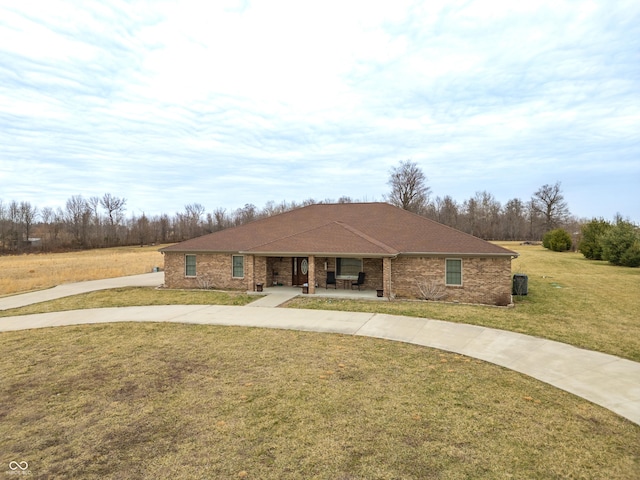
x=190, y=401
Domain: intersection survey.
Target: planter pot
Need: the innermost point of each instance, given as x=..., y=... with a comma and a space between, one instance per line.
x=258, y=287
x=380, y=292
x=305, y=289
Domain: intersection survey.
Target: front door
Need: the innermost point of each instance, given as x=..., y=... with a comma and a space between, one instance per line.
x=300, y=270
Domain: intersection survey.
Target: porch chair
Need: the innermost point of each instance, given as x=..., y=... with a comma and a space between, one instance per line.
x=331, y=280
x=358, y=282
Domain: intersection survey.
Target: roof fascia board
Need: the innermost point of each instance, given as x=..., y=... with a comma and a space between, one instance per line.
x=209, y=252
x=318, y=254
x=456, y=254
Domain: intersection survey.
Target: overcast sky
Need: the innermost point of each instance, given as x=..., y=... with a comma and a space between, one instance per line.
x=225, y=103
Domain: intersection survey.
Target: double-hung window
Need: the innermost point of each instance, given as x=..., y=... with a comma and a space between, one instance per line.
x=238, y=266
x=190, y=265
x=453, y=271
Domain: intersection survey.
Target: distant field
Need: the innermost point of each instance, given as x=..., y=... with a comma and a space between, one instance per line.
x=22, y=273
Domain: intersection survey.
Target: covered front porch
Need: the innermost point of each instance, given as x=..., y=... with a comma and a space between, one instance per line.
x=322, y=292
x=310, y=274
x=276, y=296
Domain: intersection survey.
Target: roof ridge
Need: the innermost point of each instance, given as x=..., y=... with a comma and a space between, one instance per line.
x=343, y=225
x=293, y=234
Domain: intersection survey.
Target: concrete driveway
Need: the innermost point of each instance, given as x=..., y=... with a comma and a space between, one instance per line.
x=606, y=380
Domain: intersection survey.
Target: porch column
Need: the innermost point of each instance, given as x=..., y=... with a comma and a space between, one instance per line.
x=250, y=272
x=312, y=274
x=386, y=277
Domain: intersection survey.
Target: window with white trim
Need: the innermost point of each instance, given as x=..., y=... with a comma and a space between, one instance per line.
x=348, y=267
x=190, y=265
x=238, y=266
x=453, y=271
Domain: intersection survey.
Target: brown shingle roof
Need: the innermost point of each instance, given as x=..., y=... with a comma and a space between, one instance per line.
x=356, y=229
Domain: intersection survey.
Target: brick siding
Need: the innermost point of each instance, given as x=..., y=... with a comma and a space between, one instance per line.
x=213, y=269
x=484, y=280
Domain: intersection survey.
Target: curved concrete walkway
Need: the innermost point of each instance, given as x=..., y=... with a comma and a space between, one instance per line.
x=606, y=380
x=68, y=289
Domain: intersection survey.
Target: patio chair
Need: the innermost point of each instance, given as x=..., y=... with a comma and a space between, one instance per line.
x=358, y=282
x=331, y=280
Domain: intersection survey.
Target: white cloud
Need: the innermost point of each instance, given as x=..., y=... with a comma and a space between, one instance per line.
x=232, y=102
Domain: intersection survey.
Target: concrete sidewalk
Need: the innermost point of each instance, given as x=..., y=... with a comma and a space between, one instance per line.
x=606, y=380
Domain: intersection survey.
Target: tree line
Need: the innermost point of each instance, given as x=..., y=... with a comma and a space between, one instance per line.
x=97, y=222
x=482, y=215
x=100, y=222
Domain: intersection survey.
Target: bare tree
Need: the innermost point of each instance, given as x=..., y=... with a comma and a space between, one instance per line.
x=94, y=206
x=115, y=208
x=144, y=230
x=471, y=216
x=193, y=217
x=486, y=215
x=221, y=219
x=514, y=221
x=28, y=214
x=549, y=202
x=409, y=189
x=6, y=238
x=162, y=227
x=46, y=215
x=77, y=217
x=3, y=221
x=246, y=214
x=448, y=212
x=13, y=217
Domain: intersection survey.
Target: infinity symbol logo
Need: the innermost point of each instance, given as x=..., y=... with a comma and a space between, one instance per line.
x=15, y=465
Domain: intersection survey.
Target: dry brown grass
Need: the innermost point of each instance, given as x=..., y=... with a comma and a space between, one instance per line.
x=22, y=273
x=134, y=296
x=186, y=401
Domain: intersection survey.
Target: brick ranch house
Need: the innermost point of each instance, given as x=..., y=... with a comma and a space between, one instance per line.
x=397, y=250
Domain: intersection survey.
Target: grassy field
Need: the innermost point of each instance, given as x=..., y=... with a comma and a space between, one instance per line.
x=22, y=273
x=188, y=401
x=573, y=300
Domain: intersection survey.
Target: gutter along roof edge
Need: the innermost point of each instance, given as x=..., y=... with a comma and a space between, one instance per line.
x=319, y=254
x=345, y=254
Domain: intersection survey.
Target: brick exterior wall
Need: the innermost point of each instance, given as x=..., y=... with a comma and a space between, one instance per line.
x=213, y=269
x=484, y=280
